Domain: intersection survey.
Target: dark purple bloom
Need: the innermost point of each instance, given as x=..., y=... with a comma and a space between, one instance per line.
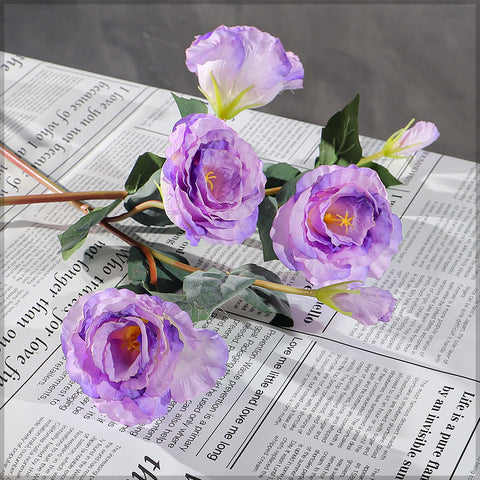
x=212, y=181
x=337, y=227
x=242, y=67
x=134, y=353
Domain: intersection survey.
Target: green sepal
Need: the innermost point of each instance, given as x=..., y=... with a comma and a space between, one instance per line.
x=187, y=106
x=73, y=238
x=144, y=167
x=341, y=134
x=266, y=213
x=385, y=176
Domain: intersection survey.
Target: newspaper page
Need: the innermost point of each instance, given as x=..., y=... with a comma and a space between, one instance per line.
x=325, y=399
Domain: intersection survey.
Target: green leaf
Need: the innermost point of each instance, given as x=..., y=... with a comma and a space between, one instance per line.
x=137, y=267
x=72, y=238
x=263, y=299
x=341, y=133
x=277, y=174
x=169, y=279
x=148, y=191
x=342, y=162
x=144, y=167
x=385, y=176
x=266, y=213
x=280, y=320
x=208, y=290
x=195, y=312
x=67, y=253
x=327, y=155
x=288, y=189
x=189, y=105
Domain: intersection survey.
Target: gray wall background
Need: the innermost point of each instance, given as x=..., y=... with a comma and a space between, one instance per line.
x=405, y=60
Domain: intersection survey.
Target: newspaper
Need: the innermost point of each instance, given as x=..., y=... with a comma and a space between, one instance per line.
x=326, y=399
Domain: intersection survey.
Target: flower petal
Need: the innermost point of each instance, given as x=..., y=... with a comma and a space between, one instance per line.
x=369, y=306
x=242, y=67
x=338, y=226
x=129, y=353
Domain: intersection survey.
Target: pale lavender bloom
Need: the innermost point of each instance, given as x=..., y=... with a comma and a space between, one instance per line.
x=242, y=67
x=337, y=227
x=212, y=181
x=409, y=140
x=368, y=305
x=134, y=353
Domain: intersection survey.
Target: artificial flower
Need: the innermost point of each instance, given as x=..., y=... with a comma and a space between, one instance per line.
x=242, y=67
x=409, y=140
x=134, y=353
x=368, y=305
x=212, y=181
x=338, y=226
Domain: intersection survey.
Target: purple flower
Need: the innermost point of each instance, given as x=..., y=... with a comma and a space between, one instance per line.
x=368, y=305
x=212, y=181
x=134, y=353
x=338, y=226
x=242, y=67
x=409, y=140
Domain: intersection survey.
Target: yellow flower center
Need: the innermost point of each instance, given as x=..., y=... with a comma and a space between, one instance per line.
x=208, y=178
x=130, y=336
x=344, y=221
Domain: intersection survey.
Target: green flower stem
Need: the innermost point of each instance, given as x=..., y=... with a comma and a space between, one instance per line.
x=139, y=208
x=272, y=191
x=174, y=263
x=363, y=161
x=284, y=288
x=61, y=197
x=259, y=283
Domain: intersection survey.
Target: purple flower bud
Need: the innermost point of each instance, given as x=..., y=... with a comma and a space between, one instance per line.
x=242, y=67
x=134, y=353
x=368, y=305
x=212, y=181
x=337, y=227
x=409, y=140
